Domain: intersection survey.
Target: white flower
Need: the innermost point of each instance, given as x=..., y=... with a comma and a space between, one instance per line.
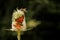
x=17, y=14
x=26, y=26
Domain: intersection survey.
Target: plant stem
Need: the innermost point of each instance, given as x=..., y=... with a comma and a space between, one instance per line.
x=18, y=35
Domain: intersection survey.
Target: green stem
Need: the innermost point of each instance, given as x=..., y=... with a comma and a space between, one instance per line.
x=18, y=35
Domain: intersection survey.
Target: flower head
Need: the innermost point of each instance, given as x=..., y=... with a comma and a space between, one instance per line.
x=18, y=20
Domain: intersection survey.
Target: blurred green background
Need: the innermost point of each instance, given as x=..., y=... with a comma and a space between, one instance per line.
x=46, y=11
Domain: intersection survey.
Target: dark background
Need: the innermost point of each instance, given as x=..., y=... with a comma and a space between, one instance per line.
x=46, y=11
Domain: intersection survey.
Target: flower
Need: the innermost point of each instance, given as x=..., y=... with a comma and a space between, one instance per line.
x=18, y=20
